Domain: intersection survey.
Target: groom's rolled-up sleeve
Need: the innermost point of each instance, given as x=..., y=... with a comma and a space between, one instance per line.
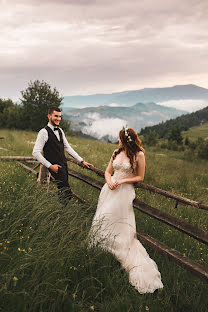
x=70, y=150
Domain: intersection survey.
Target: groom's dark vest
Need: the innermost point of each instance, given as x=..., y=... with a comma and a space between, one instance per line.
x=53, y=150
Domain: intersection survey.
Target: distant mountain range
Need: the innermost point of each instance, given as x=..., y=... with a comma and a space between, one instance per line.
x=128, y=98
x=104, y=122
x=103, y=115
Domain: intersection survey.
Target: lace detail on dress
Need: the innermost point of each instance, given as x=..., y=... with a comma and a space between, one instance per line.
x=121, y=170
x=122, y=167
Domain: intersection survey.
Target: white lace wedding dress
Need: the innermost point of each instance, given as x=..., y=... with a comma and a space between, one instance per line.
x=114, y=229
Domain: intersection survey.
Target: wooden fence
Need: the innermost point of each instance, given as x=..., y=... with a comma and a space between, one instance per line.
x=153, y=212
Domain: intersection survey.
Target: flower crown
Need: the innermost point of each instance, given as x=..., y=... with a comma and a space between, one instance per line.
x=125, y=130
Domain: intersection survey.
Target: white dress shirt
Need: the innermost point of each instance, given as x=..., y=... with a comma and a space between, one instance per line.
x=42, y=138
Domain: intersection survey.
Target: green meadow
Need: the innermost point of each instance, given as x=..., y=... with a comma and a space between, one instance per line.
x=198, y=131
x=45, y=262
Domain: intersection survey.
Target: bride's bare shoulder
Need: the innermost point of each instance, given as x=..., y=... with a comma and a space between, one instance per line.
x=140, y=155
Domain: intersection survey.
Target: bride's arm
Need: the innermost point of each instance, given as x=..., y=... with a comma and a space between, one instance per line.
x=140, y=171
x=108, y=173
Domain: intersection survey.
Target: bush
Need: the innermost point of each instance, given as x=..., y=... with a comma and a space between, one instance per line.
x=203, y=150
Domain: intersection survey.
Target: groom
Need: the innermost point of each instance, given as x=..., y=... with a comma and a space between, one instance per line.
x=52, y=141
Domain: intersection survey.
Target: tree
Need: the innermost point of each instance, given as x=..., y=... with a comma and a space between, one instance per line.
x=187, y=141
x=202, y=148
x=14, y=117
x=175, y=135
x=36, y=100
x=4, y=106
x=151, y=138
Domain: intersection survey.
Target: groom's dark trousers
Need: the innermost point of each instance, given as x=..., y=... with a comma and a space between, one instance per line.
x=61, y=179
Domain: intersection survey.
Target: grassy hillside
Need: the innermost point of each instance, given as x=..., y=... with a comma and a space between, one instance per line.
x=45, y=264
x=195, y=132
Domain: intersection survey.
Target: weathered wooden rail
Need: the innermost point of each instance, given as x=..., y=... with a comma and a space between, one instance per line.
x=151, y=188
x=156, y=245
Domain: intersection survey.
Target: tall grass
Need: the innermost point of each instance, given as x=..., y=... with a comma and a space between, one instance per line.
x=45, y=262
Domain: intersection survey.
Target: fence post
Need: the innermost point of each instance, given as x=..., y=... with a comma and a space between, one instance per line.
x=43, y=176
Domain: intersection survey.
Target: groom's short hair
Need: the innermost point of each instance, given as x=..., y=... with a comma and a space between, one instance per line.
x=52, y=109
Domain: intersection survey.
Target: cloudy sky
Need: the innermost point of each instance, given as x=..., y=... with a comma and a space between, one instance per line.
x=101, y=46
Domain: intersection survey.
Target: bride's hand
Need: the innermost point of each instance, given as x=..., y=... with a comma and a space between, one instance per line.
x=112, y=185
x=119, y=182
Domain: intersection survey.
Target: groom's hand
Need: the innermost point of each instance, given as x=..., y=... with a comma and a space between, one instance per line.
x=86, y=164
x=54, y=168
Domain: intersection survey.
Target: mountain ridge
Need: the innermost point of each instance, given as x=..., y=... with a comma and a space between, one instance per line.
x=130, y=97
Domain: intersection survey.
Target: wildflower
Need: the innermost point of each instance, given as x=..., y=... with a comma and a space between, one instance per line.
x=1, y=244
x=92, y=308
x=15, y=279
x=8, y=242
x=29, y=249
x=18, y=249
x=74, y=296
x=146, y=308
x=5, y=248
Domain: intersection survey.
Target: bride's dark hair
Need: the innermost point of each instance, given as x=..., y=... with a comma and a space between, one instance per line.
x=131, y=144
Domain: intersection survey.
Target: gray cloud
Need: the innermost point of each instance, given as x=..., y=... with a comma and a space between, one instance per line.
x=94, y=46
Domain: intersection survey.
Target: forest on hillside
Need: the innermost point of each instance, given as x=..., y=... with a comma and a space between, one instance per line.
x=183, y=122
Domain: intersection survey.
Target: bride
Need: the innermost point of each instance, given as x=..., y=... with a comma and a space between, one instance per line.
x=113, y=227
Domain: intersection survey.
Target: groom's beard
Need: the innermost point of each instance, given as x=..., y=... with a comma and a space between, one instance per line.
x=54, y=124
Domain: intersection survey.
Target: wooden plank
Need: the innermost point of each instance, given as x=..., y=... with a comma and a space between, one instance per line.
x=179, y=199
x=151, y=211
x=178, y=224
x=79, y=197
x=22, y=158
x=98, y=171
x=43, y=175
x=36, y=166
x=28, y=168
x=174, y=256
x=52, y=179
x=86, y=179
